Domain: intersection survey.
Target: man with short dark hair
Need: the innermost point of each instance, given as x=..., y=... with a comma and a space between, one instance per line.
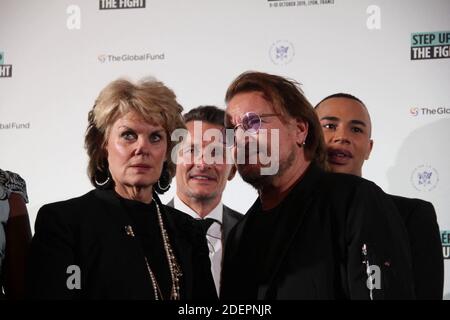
x=310, y=234
x=347, y=131
x=201, y=181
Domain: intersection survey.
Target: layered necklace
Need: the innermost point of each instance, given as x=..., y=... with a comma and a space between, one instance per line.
x=175, y=269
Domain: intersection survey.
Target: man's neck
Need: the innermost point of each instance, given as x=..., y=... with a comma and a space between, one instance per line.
x=273, y=194
x=201, y=207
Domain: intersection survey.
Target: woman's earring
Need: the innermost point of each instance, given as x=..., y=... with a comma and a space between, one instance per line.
x=101, y=184
x=164, y=180
x=163, y=188
x=104, y=179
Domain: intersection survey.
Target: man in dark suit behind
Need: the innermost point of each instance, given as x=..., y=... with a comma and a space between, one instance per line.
x=347, y=128
x=201, y=176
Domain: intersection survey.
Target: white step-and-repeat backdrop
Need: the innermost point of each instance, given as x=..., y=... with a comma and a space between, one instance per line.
x=56, y=55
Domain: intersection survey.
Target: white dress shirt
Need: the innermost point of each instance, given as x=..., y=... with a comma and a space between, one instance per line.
x=213, y=236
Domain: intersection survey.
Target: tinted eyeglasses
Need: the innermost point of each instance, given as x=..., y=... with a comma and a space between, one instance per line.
x=251, y=123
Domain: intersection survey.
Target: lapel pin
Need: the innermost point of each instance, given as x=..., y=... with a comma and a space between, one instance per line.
x=129, y=231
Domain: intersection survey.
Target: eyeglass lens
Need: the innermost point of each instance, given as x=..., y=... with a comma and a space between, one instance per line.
x=251, y=122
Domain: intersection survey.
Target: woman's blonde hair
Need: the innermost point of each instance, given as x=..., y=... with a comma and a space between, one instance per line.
x=150, y=99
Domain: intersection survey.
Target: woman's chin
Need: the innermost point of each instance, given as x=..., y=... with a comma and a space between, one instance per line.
x=141, y=182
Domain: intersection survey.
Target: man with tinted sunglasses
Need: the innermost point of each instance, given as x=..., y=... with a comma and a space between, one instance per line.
x=347, y=128
x=310, y=234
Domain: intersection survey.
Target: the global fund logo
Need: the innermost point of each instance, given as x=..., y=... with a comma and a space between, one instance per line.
x=104, y=58
x=5, y=69
x=429, y=111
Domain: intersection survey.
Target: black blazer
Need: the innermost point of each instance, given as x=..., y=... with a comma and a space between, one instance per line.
x=229, y=220
x=426, y=248
x=89, y=232
x=316, y=248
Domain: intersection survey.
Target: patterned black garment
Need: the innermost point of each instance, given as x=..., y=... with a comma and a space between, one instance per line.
x=9, y=182
x=12, y=182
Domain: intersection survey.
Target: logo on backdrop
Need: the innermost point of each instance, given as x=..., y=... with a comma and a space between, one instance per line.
x=104, y=58
x=5, y=69
x=414, y=112
x=428, y=111
x=121, y=4
x=14, y=125
x=430, y=45
x=445, y=239
x=281, y=52
x=297, y=3
x=424, y=178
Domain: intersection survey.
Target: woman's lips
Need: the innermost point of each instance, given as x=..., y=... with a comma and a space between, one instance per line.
x=141, y=166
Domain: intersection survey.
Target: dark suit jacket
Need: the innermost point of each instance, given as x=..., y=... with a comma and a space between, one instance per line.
x=426, y=248
x=229, y=219
x=89, y=232
x=316, y=248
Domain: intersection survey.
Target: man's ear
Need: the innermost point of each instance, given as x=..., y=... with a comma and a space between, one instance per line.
x=232, y=172
x=301, y=131
x=370, y=149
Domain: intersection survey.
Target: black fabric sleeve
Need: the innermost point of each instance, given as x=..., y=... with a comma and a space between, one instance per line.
x=428, y=263
x=51, y=254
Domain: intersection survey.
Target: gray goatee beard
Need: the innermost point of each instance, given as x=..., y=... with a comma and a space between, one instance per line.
x=253, y=175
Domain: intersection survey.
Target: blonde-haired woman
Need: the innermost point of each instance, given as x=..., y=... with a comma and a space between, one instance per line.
x=119, y=241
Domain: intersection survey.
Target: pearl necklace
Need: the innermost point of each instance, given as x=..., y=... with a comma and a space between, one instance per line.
x=175, y=270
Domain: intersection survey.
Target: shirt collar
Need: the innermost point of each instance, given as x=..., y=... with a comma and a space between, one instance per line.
x=215, y=213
